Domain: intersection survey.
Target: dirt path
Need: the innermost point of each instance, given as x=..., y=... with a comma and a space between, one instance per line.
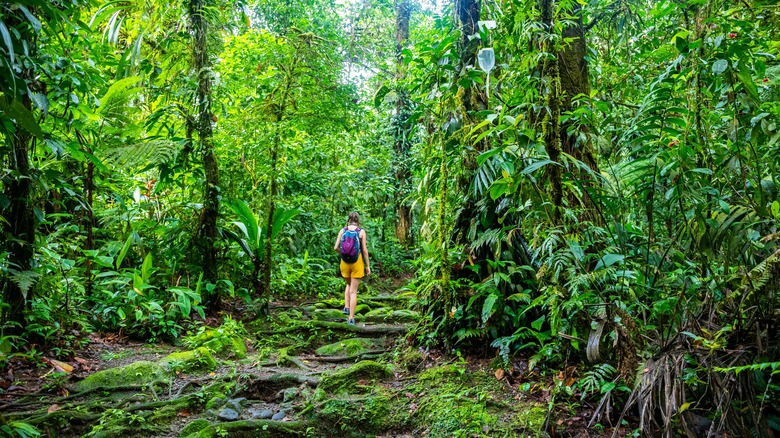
x=306, y=373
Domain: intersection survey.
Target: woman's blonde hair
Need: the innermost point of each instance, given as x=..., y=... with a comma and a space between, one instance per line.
x=354, y=218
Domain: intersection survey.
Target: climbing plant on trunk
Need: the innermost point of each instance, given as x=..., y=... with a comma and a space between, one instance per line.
x=207, y=223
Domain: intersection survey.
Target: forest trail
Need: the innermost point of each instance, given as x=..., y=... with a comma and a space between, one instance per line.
x=305, y=373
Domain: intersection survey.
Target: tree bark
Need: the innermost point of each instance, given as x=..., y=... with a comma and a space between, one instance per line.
x=207, y=226
x=20, y=228
x=402, y=126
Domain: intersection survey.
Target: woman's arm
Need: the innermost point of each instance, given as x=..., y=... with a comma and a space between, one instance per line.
x=338, y=240
x=365, y=251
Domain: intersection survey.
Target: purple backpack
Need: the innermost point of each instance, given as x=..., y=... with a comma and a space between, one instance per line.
x=350, y=245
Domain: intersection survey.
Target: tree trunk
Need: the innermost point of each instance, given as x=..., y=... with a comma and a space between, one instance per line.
x=20, y=228
x=575, y=80
x=402, y=126
x=551, y=121
x=207, y=226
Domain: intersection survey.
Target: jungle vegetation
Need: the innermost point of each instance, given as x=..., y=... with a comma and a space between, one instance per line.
x=589, y=182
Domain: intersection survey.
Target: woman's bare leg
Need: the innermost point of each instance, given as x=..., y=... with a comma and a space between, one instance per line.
x=346, y=294
x=353, y=288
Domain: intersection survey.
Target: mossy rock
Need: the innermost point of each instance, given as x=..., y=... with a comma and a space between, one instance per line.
x=138, y=373
x=194, y=427
x=405, y=315
x=362, y=309
x=356, y=416
x=350, y=347
x=254, y=428
x=382, y=311
x=333, y=303
x=198, y=360
x=328, y=314
x=348, y=377
x=221, y=344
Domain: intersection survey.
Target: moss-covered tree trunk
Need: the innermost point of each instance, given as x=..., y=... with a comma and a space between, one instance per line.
x=575, y=81
x=207, y=224
x=402, y=126
x=551, y=120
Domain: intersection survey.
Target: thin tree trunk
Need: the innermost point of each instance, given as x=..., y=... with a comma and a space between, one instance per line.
x=207, y=232
x=402, y=126
x=280, y=111
x=20, y=227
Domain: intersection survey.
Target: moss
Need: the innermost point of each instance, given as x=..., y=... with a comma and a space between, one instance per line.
x=404, y=315
x=442, y=372
x=325, y=314
x=362, y=309
x=250, y=429
x=348, y=377
x=137, y=373
x=410, y=359
x=199, y=359
x=350, y=347
x=530, y=418
x=194, y=427
x=221, y=344
x=358, y=415
x=382, y=311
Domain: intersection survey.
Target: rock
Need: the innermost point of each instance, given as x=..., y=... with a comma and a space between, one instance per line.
x=347, y=378
x=232, y=404
x=290, y=394
x=199, y=359
x=362, y=309
x=327, y=314
x=215, y=403
x=137, y=373
x=261, y=414
x=372, y=412
x=382, y=311
x=194, y=427
x=239, y=400
x=404, y=315
x=228, y=414
x=350, y=347
x=279, y=416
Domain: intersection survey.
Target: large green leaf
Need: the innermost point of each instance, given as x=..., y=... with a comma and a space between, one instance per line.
x=248, y=219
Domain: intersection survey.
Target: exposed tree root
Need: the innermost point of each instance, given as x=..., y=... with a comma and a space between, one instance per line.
x=318, y=324
x=340, y=359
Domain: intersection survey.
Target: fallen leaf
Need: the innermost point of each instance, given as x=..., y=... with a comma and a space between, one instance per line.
x=570, y=381
x=499, y=374
x=560, y=421
x=59, y=366
x=81, y=361
x=16, y=388
x=53, y=408
x=183, y=413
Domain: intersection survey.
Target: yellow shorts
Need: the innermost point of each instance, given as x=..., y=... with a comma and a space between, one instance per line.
x=353, y=270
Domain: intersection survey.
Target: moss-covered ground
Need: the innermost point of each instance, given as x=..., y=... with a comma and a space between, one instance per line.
x=299, y=372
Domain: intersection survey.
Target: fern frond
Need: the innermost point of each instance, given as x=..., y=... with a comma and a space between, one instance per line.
x=142, y=155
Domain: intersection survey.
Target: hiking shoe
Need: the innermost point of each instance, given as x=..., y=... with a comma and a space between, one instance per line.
x=351, y=321
x=345, y=311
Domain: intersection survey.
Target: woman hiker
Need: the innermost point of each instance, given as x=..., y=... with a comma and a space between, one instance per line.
x=351, y=245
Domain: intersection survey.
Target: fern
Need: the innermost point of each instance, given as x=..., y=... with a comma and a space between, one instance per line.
x=24, y=279
x=142, y=155
x=114, y=104
x=763, y=366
